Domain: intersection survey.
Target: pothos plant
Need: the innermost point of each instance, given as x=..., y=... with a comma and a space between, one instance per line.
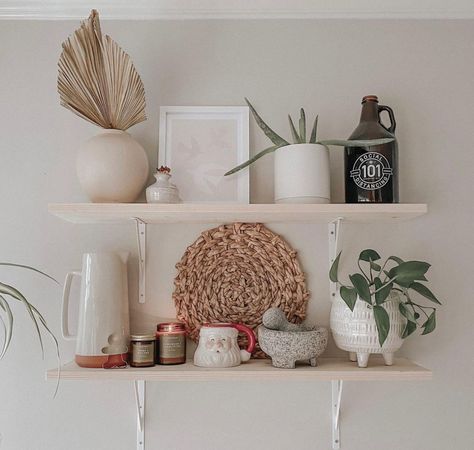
x=8, y=291
x=299, y=137
x=374, y=285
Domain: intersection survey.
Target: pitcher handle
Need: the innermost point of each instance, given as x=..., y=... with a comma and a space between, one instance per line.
x=247, y=353
x=65, y=306
x=393, y=124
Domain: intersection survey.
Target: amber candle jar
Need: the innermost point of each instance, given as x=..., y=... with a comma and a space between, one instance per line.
x=171, y=348
x=142, y=350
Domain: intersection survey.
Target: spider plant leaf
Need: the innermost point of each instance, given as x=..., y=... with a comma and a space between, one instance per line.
x=296, y=137
x=302, y=125
x=16, y=294
x=8, y=325
x=58, y=356
x=314, y=132
x=29, y=268
x=277, y=140
x=252, y=160
x=356, y=143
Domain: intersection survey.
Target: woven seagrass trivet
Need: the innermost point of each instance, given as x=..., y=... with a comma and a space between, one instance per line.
x=234, y=273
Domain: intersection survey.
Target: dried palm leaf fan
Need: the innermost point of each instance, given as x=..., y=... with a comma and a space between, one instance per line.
x=97, y=80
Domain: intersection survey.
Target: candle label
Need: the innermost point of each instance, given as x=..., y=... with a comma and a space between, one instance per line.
x=172, y=346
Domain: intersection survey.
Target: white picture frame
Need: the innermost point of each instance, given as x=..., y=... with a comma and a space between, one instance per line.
x=199, y=144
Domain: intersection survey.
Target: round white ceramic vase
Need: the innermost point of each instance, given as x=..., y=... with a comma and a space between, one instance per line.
x=302, y=174
x=112, y=167
x=356, y=332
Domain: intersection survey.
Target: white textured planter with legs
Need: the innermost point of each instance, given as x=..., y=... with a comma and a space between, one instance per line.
x=112, y=167
x=302, y=174
x=355, y=331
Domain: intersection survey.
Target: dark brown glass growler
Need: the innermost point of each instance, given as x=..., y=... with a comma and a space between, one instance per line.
x=371, y=173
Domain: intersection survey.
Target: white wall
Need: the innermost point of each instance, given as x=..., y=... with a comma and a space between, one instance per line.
x=424, y=70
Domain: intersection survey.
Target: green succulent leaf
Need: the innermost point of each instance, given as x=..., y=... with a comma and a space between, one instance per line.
x=356, y=143
x=369, y=255
x=302, y=125
x=362, y=286
x=275, y=138
x=334, y=268
x=349, y=295
x=381, y=291
x=409, y=329
x=424, y=291
x=408, y=272
x=407, y=312
x=251, y=160
x=314, y=131
x=430, y=324
x=382, y=321
x=294, y=133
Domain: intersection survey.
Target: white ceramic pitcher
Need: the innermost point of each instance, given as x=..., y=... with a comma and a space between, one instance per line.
x=104, y=327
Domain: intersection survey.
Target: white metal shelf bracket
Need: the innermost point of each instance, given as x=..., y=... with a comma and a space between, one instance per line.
x=334, y=241
x=141, y=243
x=139, y=386
x=336, y=396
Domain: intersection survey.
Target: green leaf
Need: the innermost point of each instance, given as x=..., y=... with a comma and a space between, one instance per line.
x=407, y=312
x=407, y=272
x=362, y=287
x=430, y=324
x=381, y=291
x=16, y=294
x=277, y=140
x=369, y=255
x=251, y=160
x=302, y=125
x=424, y=291
x=356, y=143
x=375, y=266
x=296, y=138
x=334, y=268
x=409, y=329
x=396, y=259
x=314, y=132
x=349, y=295
x=8, y=325
x=382, y=321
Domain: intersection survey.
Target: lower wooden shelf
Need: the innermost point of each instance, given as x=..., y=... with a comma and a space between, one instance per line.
x=329, y=369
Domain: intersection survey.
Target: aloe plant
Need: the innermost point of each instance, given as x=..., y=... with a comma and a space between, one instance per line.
x=299, y=137
x=374, y=284
x=6, y=315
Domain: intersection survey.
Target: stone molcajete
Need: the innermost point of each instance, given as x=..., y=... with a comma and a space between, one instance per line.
x=287, y=343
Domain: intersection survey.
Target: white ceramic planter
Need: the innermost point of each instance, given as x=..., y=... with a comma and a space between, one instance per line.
x=302, y=174
x=355, y=331
x=112, y=167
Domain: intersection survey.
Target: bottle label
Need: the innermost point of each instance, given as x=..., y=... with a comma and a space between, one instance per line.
x=172, y=346
x=371, y=171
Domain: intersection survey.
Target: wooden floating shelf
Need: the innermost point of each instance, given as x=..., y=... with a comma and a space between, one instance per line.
x=329, y=369
x=226, y=213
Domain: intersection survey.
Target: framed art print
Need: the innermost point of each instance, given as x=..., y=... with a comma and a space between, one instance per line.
x=200, y=144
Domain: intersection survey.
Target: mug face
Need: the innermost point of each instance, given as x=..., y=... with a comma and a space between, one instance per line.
x=219, y=342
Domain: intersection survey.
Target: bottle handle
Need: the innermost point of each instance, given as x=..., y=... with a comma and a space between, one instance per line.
x=65, y=306
x=393, y=124
x=245, y=354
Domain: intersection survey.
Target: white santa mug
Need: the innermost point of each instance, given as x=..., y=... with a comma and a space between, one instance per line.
x=218, y=345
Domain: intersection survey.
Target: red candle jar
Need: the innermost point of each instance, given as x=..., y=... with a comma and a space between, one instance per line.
x=171, y=348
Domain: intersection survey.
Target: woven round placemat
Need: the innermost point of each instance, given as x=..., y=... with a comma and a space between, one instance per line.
x=234, y=273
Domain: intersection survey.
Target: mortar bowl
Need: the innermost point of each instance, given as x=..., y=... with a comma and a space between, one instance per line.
x=287, y=347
